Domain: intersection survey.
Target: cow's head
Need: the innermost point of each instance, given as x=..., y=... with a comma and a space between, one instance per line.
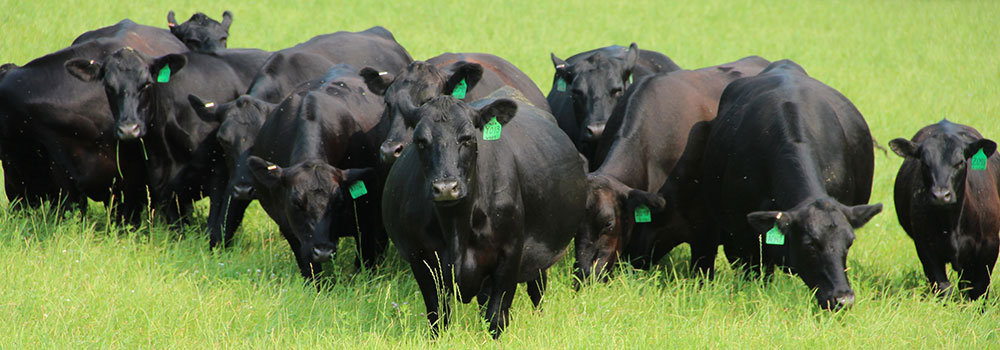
x=240, y=120
x=602, y=236
x=944, y=161
x=447, y=139
x=817, y=234
x=595, y=84
x=404, y=94
x=311, y=194
x=201, y=33
x=130, y=80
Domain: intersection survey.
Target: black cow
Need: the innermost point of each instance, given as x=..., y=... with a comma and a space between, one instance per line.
x=947, y=200
x=476, y=75
x=200, y=32
x=288, y=70
x=143, y=38
x=373, y=47
x=149, y=103
x=792, y=157
x=507, y=207
x=316, y=145
x=587, y=85
x=53, y=130
x=654, y=124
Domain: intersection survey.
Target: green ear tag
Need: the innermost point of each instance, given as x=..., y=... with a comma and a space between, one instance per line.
x=491, y=131
x=164, y=75
x=978, y=161
x=642, y=214
x=358, y=189
x=774, y=236
x=459, y=91
x=561, y=85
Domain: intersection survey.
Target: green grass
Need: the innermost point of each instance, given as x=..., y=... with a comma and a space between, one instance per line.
x=78, y=282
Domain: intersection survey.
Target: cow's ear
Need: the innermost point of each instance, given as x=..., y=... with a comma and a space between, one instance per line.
x=227, y=20
x=205, y=110
x=987, y=145
x=762, y=221
x=5, y=68
x=85, y=70
x=903, y=147
x=267, y=173
x=503, y=109
x=471, y=73
x=557, y=62
x=631, y=56
x=859, y=215
x=171, y=21
x=348, y=177
x=654, y=201
x=562, y=69
x=377, y=82
x=175, y=61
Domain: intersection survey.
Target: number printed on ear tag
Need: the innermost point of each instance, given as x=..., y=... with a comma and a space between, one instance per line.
x=491, y=131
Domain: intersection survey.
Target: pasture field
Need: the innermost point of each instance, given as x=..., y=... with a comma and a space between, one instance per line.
x=80, y=282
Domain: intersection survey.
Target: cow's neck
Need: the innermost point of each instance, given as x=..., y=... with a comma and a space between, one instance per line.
x=627, y=162
x=796, y=178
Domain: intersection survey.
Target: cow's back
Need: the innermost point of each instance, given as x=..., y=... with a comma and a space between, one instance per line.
x=777, y=137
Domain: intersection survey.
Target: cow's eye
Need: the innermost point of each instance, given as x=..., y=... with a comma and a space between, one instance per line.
x=466, y=140
x=609, y=224
x=420, y=142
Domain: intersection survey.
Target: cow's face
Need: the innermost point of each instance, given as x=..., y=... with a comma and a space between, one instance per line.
x=129, y=79
x=311, y=193
x=818, y=234
x=595, y=85
x=943, y=163
x=447, y=139
x=601, y=237
x=240, y=120
x=404, y=95
x=201, y=33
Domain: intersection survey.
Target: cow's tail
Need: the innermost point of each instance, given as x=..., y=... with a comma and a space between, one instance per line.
x=877, y=146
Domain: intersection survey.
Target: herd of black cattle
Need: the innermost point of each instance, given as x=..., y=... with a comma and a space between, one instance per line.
x=479, y=180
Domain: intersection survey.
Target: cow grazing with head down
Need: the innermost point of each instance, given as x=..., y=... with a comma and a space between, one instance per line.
x=654, y=126
x=786, y=173
x=587, y=86
x=309, y=156
x=289, y=70
x=148, y=98
x=947, y=201
x=200, y=32
x=467, y=76
x=507, y=188
x=54, y=130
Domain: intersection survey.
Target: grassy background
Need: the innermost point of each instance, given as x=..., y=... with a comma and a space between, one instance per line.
x=79, y=282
